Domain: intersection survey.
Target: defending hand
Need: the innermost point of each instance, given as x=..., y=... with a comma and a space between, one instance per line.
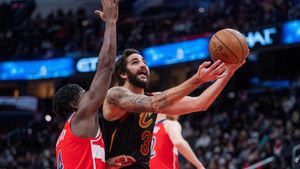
x=110, y=11
x=119, y=162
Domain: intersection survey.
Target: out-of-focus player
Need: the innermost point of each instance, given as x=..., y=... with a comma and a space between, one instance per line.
x=80, y=144
x=167, y=140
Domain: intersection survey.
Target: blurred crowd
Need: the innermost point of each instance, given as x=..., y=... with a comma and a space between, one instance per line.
x=79, y=33
x=239, y=130
x=246, y=128
x=28, y=145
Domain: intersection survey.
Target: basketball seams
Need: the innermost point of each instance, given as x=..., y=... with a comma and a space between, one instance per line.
x=227, y=48
x=211, y=51
x=237, y=39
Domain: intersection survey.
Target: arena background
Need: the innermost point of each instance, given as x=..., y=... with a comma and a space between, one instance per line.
x=255, y=123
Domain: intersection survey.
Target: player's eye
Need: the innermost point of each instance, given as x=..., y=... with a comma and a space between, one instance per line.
x=135, y=62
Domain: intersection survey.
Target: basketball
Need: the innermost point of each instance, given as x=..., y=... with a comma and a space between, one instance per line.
x=228, y=45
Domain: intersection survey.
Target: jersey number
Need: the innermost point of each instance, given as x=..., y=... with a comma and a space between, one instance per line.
x=145, y=147
x=153, y=142
x=60, y=164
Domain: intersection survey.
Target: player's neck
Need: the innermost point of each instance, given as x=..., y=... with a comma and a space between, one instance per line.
x=134, y=89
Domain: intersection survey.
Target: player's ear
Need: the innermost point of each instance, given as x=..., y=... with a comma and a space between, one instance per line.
x=74, y=104
x=123, y=75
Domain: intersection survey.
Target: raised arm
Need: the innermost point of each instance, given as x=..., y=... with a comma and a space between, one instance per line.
x=207, y=97
x=95, y=96
x=174, y=132
x=128, y=101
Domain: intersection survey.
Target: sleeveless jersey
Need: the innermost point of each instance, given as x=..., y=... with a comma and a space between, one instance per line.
x=130, y=135
x=73, y=152
x=164, y=155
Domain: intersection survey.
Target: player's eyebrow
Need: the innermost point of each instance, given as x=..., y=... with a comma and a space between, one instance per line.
x=133, y=59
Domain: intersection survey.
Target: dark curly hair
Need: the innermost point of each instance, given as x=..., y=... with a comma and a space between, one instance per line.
x=121, y=64
x=64, y=98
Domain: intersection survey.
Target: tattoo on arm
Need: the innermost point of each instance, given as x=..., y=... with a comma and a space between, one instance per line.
x=161, y=101
x=123, y=98
x=112, y=95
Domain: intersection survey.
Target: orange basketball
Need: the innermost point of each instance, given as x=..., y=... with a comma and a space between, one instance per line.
x=228, y=45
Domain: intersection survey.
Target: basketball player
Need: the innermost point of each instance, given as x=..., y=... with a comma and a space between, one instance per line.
x=80, y=144
x=129, y=114
x=167, y=140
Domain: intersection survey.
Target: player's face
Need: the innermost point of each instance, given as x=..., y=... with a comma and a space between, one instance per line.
x=137, y=71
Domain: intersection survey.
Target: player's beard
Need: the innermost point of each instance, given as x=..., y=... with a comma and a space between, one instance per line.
x=133, y=79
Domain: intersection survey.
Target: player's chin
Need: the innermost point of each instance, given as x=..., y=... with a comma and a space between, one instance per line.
x=143, y=79
x=146, y=82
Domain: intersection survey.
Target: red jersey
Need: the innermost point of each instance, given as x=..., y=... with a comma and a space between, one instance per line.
x=164, y=155
x=73, y=152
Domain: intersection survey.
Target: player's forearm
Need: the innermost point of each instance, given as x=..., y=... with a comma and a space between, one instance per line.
x=102, y=78
x=173, y=95
x=209, y=95
x=185, y=150
x=109, y=47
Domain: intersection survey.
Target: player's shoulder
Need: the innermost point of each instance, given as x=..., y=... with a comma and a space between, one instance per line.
x=172, y=123
x=117, y=91
x=118, y=88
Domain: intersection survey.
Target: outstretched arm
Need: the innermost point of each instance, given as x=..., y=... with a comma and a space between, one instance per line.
x=95, y=96
x=207, y=97
x=174, y=132
x=126, y=100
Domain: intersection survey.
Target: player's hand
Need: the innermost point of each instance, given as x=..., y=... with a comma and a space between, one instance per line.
x=119, y=162
x=207, y=72
x=231, y=68
x=110, y=11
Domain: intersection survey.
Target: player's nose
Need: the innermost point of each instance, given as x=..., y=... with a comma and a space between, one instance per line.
x=143, y=65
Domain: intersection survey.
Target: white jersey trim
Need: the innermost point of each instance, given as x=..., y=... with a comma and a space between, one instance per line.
x=98, y=152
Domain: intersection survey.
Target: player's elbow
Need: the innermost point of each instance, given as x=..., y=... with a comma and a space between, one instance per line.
x=179, y=143
x=161, y=111
x=204, y=108
x=109, y=64
x=201, y=106
x=108, y=61
x=159, y=107
x=108, y=68
x=196, y=109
